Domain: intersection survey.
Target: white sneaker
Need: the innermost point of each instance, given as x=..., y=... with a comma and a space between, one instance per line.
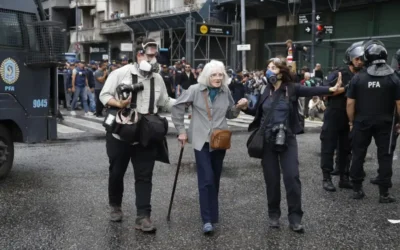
x=89, y=114
x=73, y=113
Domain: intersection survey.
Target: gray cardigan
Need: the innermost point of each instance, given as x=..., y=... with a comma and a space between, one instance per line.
x=200, y=127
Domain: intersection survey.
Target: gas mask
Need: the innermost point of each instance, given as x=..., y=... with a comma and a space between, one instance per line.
x=272, y=78
x=144, y=68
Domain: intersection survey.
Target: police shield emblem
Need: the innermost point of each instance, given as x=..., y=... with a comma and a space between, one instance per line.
x=9, y=71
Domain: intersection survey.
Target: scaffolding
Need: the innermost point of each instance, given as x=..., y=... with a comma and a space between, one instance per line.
x=178, y=34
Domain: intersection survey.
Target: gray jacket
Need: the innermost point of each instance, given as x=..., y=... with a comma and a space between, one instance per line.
x=200, y=127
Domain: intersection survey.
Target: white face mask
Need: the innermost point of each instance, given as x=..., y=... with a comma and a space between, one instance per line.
x=145, y=68
x=153, y=61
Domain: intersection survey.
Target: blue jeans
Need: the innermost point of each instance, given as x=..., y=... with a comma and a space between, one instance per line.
x=81, y=93
x=209, y=168
x=92, y=102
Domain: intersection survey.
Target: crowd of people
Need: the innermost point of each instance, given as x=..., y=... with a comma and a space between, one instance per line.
x=356, y=102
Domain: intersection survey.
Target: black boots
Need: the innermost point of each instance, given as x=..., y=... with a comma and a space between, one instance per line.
x=358, y=192
x=327, y=183
x=384, y=196
x=344, y=182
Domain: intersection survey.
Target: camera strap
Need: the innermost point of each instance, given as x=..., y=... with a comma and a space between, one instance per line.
x=134, y=95
x=152, y=96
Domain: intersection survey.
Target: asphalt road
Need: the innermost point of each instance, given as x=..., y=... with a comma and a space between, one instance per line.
x=56, y=198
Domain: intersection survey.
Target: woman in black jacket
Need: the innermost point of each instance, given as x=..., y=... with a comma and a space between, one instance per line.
x=277, y=114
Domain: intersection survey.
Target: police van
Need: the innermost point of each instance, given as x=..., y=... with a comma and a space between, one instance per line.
x=30, y=48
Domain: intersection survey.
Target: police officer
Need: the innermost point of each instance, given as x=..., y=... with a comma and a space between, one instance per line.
x=119, y=151
x=335, y=130
x=168, y=80
x=373, y=95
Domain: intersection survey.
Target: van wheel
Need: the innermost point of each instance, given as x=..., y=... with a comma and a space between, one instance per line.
x=6, y=152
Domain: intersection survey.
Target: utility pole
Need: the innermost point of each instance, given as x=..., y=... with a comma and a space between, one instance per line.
x=77, y=29
x=313, y=27
x=243, y=24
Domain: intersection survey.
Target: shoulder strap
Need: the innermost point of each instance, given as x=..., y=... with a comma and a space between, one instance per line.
x=134, y=95
x=152, y=93
x=207, y=107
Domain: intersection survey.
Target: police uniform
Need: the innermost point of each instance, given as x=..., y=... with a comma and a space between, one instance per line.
x=375, y=91
x=335, y=133
x=169, y=82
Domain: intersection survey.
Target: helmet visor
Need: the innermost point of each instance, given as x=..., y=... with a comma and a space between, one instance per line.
x=356, y=52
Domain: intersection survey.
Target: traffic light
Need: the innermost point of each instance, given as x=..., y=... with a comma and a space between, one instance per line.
x=320, y=33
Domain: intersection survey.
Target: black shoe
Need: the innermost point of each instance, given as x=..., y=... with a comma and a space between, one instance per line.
x=374, y=181
x=116, y=214
x=298, y=228
x=358, y=194
x=328, y=185
x=274, y=223
x=386, y=198
x=335, y=171
x=345, y=182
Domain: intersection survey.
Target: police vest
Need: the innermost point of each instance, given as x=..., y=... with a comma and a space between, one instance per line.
x=375, y=97
x=80, y=77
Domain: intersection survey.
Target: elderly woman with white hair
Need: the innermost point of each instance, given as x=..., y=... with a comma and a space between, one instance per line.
x=212, y=104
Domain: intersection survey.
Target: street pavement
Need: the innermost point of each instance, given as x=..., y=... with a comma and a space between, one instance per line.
x=56, y=198
x=80, y=125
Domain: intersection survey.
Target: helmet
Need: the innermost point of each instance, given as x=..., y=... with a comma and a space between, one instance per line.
x=375, y=54
x=354, y=51
x=366, y=43
x=397, y=55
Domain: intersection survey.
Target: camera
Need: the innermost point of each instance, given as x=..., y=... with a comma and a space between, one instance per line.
x=280, y=137
x=124, y=90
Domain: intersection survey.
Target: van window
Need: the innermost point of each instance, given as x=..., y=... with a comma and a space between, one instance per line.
x=33, y=31
x=10, y=30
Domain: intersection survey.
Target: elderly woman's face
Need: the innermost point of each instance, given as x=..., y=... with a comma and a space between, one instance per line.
x=273, y=68
x=216, y=78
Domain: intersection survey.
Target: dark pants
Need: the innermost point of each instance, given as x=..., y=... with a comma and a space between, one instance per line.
x=209, y=168
x=99, y=104
x=332, y=139
x=361, y=139
x=272, y=163
x=119, y=154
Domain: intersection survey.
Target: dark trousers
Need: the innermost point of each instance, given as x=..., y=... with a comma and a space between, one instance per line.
x=272, y=163
x=332, y=139
x=361, y=139
x=209, y=168
x=119, y=154
x=99, y=104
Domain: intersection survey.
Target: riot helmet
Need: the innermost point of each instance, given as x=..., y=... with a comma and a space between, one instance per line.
x=356, y=50
x=396, y=60
x=376, y=56
x=397, y=55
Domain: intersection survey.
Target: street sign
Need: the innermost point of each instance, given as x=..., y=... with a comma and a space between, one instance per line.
x=127, y=47
x=306, y=18
x=214, y=30
x=308, y=29
x=242, y=47
x=328, y=29
x=303, y=19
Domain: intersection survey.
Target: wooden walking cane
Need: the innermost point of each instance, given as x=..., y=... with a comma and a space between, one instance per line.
x=174, y=187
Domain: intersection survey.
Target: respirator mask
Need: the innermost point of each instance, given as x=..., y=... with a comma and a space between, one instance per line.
x=272, y=78
x=145, y=68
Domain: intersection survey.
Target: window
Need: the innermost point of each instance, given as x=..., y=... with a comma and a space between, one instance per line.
x=33, y=31
x=10, y=30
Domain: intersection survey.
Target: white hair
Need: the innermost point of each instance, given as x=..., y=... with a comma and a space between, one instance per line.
x=210, y=68
x=307, y=74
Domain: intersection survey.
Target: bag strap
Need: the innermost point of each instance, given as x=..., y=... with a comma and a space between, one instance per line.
x=207, y=107
x=134, y=96
x=270, y=111
x=152, y=94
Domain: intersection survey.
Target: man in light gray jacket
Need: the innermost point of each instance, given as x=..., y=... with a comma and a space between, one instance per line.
x=119, y=151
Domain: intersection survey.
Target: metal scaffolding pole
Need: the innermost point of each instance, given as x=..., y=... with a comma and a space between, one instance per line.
x=313, y=35
x=190, y=40
x=243, y=24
